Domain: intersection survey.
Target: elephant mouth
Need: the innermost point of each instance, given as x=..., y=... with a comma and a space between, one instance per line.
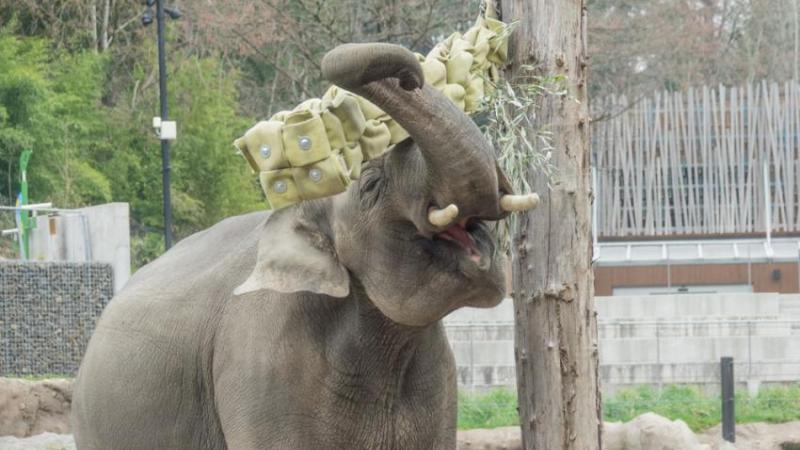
x=471, y=238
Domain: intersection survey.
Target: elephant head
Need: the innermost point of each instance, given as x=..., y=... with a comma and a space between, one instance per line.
x=414, y=232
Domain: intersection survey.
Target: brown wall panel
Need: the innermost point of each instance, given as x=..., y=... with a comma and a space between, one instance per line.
x=787, y=284
x=606, y=278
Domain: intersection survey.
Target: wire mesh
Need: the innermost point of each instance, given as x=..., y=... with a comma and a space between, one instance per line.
x=48, y=311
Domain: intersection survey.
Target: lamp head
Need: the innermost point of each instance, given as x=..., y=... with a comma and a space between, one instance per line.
x=147, y=17
x=173, y=12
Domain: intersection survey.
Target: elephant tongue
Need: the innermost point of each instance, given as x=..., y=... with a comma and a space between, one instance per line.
x=458, y=233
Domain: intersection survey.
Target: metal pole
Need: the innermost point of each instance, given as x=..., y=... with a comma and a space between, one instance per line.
x=767, y=206
x=471, y=357
x=796, y=42
x=25, y=224
x=749, y=349
x=728, y=403
x=669, y=267
x=658, y=357
x=749, y=267
x=595, y=231
x=162, y=85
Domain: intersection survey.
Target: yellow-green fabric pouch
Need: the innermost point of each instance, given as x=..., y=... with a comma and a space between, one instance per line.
x=321, y=179
x=333, y=129
x=479, y=37
x=305, y=139
x=462, y=45
x=369, y=109
x=439, y=53
x=456, y=93
x=353, y=157
x=280, y=116
x=435, y=72
x=375, y=139
x=262, y=146
x=458, y=65
x=474, y=94
x=498, y=44
x=447, y=44
x=397, y=132
x=316, y=149
x=279, y=187
x=312, y=104
x=345, y=107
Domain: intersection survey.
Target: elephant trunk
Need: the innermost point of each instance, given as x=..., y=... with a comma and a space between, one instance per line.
x=458, y=157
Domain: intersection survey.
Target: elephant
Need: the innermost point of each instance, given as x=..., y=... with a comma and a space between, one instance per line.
x=316, y=326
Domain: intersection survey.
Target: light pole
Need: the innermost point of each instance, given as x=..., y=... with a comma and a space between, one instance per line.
x=165, y=128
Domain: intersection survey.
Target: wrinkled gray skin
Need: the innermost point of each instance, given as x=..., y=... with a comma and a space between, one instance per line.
x=318, y=326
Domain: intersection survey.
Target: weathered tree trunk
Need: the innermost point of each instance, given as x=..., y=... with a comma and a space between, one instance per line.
x=556, y=330
x=104, y=30
x=93, y=21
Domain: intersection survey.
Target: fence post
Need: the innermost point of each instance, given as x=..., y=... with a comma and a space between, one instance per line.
x=728, y=403
x=749, y=350
x=767, y=205
x=658, y=357
x=471, y=357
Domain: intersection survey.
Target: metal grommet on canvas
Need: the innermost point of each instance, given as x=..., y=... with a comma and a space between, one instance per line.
x=315, y=175
x=265, y=151
x=280, y=187
x=304, y=142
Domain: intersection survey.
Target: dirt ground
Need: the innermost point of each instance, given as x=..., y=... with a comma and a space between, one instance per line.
x=652, y=432
x=757, y=436
x=34, y=415
x=754, y=436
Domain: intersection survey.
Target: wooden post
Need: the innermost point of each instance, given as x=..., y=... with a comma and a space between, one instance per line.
x=728, y=399
x=556, y=329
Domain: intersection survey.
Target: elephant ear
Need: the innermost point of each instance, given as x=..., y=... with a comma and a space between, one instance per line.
x=294, y=257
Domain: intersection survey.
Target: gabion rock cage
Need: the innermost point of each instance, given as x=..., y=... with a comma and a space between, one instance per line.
x=48, y=311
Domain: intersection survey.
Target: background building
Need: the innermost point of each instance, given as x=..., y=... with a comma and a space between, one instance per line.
x=696, y=246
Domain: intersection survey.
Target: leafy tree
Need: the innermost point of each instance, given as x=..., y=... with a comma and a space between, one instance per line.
x=645, y=45
x=49, y=104
x=79, y=82
x=87, y=151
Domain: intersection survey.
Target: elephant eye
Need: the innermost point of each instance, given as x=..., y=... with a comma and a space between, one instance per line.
x=370, y=185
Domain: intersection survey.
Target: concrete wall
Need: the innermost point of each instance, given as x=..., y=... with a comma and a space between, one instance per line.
x=652, y=340
x=97, y=233
x=672, y=307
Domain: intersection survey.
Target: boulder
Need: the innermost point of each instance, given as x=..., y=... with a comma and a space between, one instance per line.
x=34, y=407
x=505, y=438
x=757, y=436
x=650, y=432
x=646, y=432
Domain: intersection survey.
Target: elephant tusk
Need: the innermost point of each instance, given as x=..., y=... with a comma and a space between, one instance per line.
x=443, y=217
x=511, y=203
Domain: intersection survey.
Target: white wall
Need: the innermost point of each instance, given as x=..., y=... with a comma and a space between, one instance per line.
x=97, y=233
x=652, y=339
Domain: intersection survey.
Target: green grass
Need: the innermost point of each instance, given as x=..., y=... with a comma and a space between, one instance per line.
x=498, y=407
x=774, y=405
x=492, y=409
x=700, y=411
x=687, y=403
